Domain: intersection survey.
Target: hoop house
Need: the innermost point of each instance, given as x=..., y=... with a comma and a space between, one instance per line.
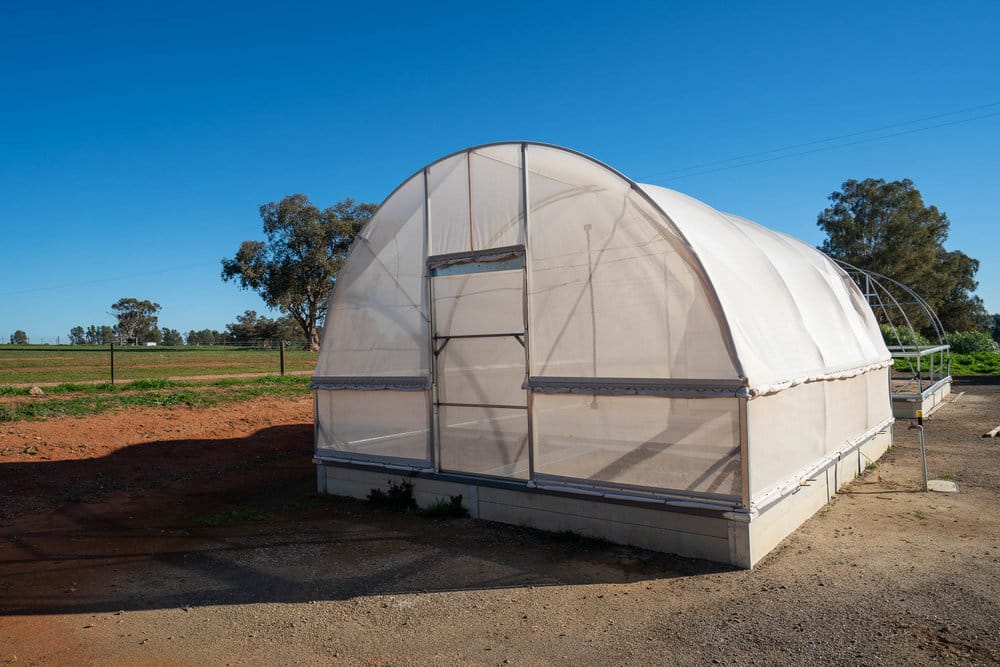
x=565, y=348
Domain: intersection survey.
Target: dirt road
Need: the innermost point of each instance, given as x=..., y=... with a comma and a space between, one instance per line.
x=181, y=537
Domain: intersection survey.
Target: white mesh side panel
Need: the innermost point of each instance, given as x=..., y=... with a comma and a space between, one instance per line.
x=377, y=322
x=796, y=428
x=496, y=197
x=664, y=443
x=609, y=294
x=879, y=403
x=359, y=424
x=787, y=433
x=448, y=196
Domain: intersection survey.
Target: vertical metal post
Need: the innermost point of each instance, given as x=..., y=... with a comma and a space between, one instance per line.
x=112, y=362
x=433, y=424
x=526, y=316
x=744, y=426
x=281, y=356
x=923, y=446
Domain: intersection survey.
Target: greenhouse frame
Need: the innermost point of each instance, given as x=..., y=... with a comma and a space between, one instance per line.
x=567, y=349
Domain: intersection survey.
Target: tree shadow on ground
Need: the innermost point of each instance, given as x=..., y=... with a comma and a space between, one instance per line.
x=180, y=524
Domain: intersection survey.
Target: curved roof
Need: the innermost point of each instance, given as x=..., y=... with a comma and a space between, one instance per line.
x=623, y=280
x=794, y=315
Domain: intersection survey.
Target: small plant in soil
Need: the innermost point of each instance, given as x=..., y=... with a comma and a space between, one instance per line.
x=398, y=498
x=446, y=509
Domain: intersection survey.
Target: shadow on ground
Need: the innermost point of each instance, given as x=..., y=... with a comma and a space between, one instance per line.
x=188, y=523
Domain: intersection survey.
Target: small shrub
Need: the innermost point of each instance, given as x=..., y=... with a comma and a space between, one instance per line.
x=968, y=342
x=902, y=335
x=446, y=509
x=399, y=497
x=7, y=413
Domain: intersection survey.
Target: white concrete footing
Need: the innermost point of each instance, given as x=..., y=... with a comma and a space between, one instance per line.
x=736, y=537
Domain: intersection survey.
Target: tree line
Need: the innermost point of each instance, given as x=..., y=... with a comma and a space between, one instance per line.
x=138, y=324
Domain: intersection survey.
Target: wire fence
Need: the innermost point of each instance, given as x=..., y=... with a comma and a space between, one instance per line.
x=54, y=364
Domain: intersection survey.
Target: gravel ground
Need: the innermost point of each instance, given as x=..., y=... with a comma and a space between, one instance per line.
x=106, y=557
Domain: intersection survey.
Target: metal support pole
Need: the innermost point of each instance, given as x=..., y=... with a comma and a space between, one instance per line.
x=112, y=362
x=281, y=357
x=923, y=446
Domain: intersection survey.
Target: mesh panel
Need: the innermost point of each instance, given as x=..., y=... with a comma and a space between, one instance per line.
x=663, y=443
x=373, y=423
x=377, y=321
x=486, y=441
x=609, y=294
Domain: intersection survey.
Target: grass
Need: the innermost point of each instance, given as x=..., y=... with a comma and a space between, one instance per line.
x=22, y=364
x=97, y=399
x=972, y=363
x=976, y=363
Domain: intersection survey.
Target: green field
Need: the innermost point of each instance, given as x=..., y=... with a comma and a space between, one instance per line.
x=973, y=363
x=80, y=400
x=976, y=363
x=25, y=364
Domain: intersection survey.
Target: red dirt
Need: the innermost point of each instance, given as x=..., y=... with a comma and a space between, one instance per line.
x=103, y=560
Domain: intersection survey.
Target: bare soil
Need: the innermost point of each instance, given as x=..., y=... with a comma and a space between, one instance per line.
x=109, y=555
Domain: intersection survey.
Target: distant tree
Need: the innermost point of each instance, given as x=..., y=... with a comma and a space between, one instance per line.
x=204, y=337
x=172, y=337
x=19, y=338
x=250, y=327
x=136, y=320
x=288, y=330
x=995, y=326
x=886, y=227
x=77, y=336
x=294, y=269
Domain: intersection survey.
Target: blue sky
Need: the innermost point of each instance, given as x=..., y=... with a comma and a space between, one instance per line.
x=138, y=140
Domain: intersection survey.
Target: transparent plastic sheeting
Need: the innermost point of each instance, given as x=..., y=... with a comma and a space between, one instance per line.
x=479, y=303
x=609, y=295
x=377, y=323
x=484, y=440
x=649, y=441
x=373, y=424
x=793, y=429
x=475, y=200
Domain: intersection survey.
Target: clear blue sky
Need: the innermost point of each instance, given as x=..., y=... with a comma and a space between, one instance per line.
x=137, y=140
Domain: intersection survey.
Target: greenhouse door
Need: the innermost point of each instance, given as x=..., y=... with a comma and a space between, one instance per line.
x=479, y=349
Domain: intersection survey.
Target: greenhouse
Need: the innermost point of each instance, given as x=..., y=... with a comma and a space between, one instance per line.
x=524, y=326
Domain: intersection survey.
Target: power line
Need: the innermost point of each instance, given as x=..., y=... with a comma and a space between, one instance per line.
x=666, y=175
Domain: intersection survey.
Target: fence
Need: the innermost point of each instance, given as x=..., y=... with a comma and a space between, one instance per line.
x=43, y=364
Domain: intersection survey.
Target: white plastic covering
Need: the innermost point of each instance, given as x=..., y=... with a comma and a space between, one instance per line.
x=611, y=338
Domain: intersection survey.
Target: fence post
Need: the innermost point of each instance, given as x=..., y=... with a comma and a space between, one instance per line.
x=112, y=362
x=281, y=356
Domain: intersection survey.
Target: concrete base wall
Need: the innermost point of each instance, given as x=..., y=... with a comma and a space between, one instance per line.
x=729, y=537
x=772, y=525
